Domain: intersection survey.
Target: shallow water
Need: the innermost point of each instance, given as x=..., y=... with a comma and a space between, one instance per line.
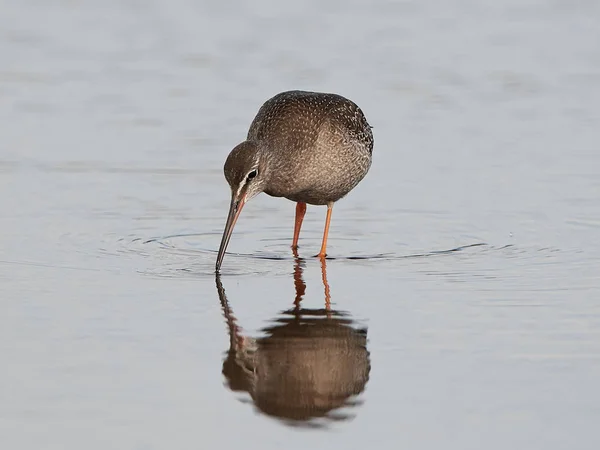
x=458, y=308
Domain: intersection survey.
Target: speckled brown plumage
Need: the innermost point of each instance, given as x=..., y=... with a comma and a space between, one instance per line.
x=308, y=147
x=320, y=145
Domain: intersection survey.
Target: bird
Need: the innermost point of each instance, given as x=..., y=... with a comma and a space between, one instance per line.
x=308, y=147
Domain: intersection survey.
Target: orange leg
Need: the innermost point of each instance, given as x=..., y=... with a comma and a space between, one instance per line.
x=323, y=253
x=300, y=211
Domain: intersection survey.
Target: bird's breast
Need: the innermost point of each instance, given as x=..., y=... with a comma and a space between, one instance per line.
x=320, y=176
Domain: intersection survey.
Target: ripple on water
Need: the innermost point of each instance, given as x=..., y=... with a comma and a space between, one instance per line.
x=193, y=255
x=183, y=255
x=517, y=268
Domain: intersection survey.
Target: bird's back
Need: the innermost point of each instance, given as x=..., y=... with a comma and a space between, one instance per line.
x=293, y=119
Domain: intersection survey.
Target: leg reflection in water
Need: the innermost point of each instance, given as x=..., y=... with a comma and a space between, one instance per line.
x=308, y=364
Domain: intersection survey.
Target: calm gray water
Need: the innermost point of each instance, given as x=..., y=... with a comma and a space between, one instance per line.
x=115, y=120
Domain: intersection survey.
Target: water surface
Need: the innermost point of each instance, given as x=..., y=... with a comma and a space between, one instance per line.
x=459, y=307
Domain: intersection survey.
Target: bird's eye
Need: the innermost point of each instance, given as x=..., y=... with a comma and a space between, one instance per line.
x=252, y=174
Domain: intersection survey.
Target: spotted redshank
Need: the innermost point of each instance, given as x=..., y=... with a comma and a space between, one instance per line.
x=309, y=147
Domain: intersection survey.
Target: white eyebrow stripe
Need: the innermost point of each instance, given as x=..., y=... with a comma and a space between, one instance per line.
x=237, y=194
x=245, y=180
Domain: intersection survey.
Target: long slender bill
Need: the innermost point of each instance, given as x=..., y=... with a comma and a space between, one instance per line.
x=234, y=211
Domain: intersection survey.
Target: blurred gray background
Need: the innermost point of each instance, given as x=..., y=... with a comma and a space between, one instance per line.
x=115, y=120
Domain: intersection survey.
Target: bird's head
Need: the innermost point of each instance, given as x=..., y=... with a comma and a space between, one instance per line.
x=246, y=170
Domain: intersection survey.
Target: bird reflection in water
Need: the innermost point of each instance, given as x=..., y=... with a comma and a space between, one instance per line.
x=309, y=364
